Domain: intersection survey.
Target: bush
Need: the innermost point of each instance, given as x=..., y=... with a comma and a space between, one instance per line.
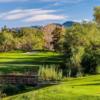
x=98, y=69
x=50, y=73
x=70, y=70
x=12, y=89
x=2, y=95
x=89, y=64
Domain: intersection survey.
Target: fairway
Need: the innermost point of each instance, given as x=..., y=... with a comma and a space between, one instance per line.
x=23, y=62
x=82, y=88
x=86, y=88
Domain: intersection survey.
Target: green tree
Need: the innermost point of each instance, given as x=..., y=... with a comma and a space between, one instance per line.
x=29, y=39
x=89, y=61
x=77, y=40
x=73, y=50
x=6, y=40
x=97, y=14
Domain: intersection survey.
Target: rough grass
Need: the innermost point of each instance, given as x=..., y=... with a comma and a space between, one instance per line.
x=86, y=88
x=21, y=62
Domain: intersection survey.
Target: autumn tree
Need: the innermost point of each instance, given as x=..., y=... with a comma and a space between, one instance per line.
x=57, y=35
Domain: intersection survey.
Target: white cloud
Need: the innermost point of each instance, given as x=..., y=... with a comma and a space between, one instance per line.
x=44, y=17
x=81, y=20
x=61, y=2
x=31, y=15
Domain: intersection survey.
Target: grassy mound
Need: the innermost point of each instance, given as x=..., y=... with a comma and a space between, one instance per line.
x=86, y=88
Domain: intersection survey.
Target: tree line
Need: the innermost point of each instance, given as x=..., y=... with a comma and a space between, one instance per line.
x=25, y=39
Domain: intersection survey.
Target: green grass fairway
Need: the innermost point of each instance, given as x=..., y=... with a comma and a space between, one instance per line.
x=86, y=88
x=21, y=62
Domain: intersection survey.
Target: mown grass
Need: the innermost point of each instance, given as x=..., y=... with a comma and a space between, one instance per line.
x=21, y=62
x=86, y=88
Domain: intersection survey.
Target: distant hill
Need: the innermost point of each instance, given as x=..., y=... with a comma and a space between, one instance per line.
x=69, y=23
x=38, y=27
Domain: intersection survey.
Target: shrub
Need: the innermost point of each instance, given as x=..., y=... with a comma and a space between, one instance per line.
x=12, y=89
x=89, y=64
x=50, y=72
x=2, y=95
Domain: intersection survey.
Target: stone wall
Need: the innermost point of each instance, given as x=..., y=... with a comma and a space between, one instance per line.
x=19, y=79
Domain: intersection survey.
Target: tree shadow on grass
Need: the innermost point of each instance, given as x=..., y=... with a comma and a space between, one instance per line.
x=30, y=88
x=38, y=60
x=25, y=64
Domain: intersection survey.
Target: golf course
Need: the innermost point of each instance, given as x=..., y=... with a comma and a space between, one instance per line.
x=49, y=49
x=82, y=88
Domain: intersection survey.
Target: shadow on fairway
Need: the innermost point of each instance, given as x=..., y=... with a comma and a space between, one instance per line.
x=27, y=64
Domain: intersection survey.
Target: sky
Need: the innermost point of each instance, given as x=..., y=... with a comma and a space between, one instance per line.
x=18, y=13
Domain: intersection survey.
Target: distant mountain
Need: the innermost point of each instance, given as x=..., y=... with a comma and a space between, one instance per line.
x=38, y=27
x=69, y=23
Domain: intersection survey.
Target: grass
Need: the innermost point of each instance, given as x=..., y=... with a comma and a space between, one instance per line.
x=22, y=62
x=85, y=88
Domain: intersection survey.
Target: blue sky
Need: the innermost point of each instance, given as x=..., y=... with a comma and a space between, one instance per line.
x=16, y=13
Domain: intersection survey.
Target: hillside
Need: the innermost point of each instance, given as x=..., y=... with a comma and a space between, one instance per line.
x=86, y=88
x=69, y=23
